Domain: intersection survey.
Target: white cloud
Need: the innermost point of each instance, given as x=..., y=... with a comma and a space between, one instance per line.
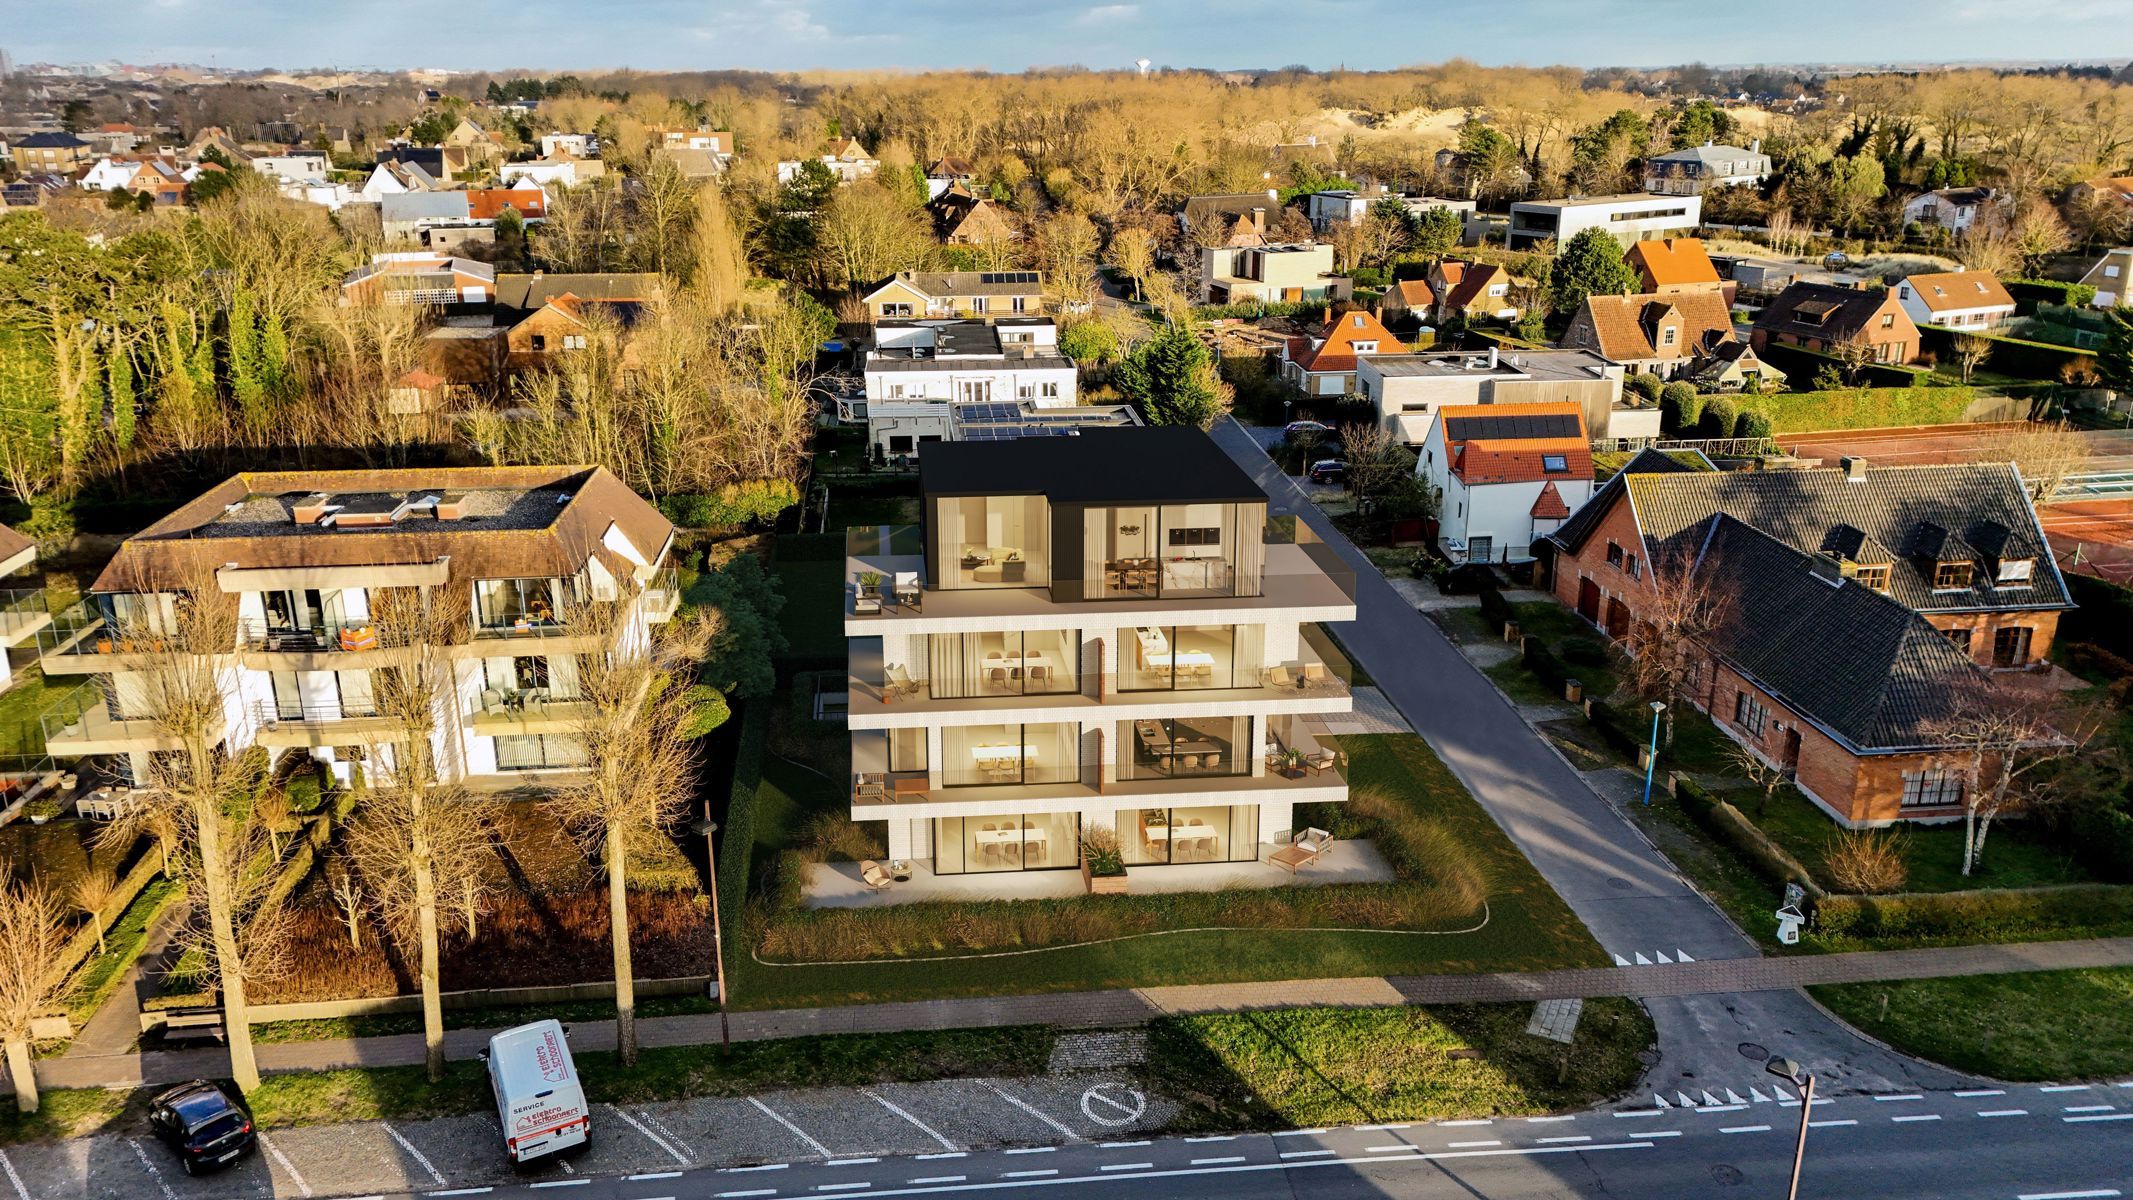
x=1109, y=14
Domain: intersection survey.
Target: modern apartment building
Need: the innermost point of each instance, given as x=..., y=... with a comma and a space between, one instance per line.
x=1099, y=631
x=1629, y=218
x=918, y=371
x=532, y=558
x=1286, y=271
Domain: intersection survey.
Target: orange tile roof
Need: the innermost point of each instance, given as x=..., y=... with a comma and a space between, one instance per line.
x=1414, y=293
x=487, y=204
x=1549, y=505
x=1945, y=290
x=1337, y=352
x=1515, y=459
x=1672, y=262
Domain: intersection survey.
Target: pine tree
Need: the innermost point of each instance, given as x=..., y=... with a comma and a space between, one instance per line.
x=248, y=382
x=119, y=373
x=1172, y=377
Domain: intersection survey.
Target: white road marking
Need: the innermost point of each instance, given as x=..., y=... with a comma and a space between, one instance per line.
x=2005, y=1112
x=415, y=1154
x=462, y=1192
x=548, y=1183
x=841, y=1187
x=2065, y=1087
x=941, y=1179
x=1744, y=1129
x=1722, y=1108
x=1365, y=1128
x=1065, y=1129
x=1733, y=1097
x=1120, y=1145
x=1028, y=1174
x=850, y=1162
x=653, y=1175
x=1468, y=1145
x=1756, y=1096
x=1305, y=1153
x=286, y=1165
x=760, y=1167
x=1973, y=1093
x=1916, y=1117
x=653, y=1138
x=1298, y=1132
x=2098, y=1194
x=156, y=1174
x=924, y=1128
x=1032, y=1150
x=1831, y=1124
x=932, y=1157
x=1644, y=1112
x=1209, y=1162
x=1547, y=1120
x=2099, y=1117
x=664, y=1132
x=1564, y=1140
x=1224, y=1137
x=739, y=1195
x=2089, y=1108
x=1893, y=1099
x=797, y=1132
x=1458, y=1124
x=1656, y=1133
x=1148, y=1166
x=15, y=1179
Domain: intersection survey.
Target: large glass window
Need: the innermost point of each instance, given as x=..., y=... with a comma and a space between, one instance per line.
x=1030, y=842
x=993, y=755
x=555, y=675
x=1184, y=657
x=1208, y=833
x=1172, y=550
x=517, y=603
x=994, y=541
x=1015, y=663
x=907, y=751
x=1184, y=748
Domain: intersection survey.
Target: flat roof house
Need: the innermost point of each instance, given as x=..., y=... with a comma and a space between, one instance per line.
x=1092, y=632
x=919, y=370
x=1283, y=271
x=1408, y=390
x=1854, y=605
x=2108, y=276
x=1628, y=218
x=518, y=555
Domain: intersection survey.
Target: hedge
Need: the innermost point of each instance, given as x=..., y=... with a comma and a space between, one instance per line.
x=1990, y=914
x=1801, y=365
x=1735, y=829
x=2010, y=356
x=2104, y=615
x=1625, y=739
x=736, y=857
x=2103, y=841
x=732, y=506
x=1863, y=408
x=2029, y=294
x=1543, y=663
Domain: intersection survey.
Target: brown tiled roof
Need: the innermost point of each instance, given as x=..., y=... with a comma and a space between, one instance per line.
x=1942, y=291
x=547, y=522
x=1844, y=312
x=1549, y=505
x=1337, y=352
x=1624, y=327
x=1468, y=282
x=1672, y=262
x=1415, y=293
x=12, y=543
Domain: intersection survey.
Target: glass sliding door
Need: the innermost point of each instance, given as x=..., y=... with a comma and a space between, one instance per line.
x=1188, y=657
x=1184, y=748
x=1173, y=550
x=1201, y=834
x=995, y=541
x=1009, y=842
x=1008, y=754
x=1015, y=663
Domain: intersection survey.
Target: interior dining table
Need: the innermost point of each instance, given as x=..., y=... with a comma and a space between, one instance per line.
x=1024, y=661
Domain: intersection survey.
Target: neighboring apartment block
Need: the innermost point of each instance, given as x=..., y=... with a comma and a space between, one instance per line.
x=1698, y=169
x=530, y=562
x=919, y=370
x=1628, y=218
x=1093, y=632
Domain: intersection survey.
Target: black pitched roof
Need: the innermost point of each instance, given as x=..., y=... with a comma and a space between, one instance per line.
x=1572, y=533
x=48, y=141
x=1879, y=677
x=1165, y=464
x=1842, y=311
x=1900, y=508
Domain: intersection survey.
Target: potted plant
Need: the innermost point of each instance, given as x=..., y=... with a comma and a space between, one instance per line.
x=1103, y=865
x=42, y=809
x=870, y=581
x=1292, y=763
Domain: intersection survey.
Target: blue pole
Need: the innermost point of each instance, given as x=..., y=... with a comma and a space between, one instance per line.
x=1651, y=761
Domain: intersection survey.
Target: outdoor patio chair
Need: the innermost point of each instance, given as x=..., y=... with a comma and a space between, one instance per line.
x=864, y=603
x=900, y=682
x=907, y=590
x=1303, y=850
x=492, y=701
x=872, y=875
x=1315, y=673
x=1322, y=761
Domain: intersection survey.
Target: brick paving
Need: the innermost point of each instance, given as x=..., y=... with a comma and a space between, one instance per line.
x=1134, y=1006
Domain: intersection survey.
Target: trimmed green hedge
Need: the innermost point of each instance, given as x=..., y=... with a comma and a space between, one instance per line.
x=1735, y=829
x=2105, y=615
x=2030, y=293
x=737, y=856
x=1986, y=914
x=2010, y=356
x=1862, y=408
x=1801, y=365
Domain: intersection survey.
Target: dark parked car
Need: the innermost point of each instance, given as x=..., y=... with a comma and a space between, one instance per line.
x=206, y=1125
x=1329, y=470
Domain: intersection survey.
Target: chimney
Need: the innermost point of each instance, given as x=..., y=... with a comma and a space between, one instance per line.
x=451, y=506
x=1273, y=195
x=1492, y=356
x=308, y=510
x=1258, y=220
x=1854, y=468
x=1756, y=146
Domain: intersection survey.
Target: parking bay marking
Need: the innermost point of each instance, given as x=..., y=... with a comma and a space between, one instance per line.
x=664, y=1132
x=15, y=1179
x=415, y=1154
x=653, y=1138
x=1119, y=1104
x=924, y=1128
x=1065, y=1129
x=798, y=1132
x=156, y=1174
x=286, y=1165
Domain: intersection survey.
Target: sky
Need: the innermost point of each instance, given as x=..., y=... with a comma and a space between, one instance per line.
x=1010, y=35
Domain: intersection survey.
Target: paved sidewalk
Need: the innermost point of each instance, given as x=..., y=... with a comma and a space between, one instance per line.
x=1125, y=1007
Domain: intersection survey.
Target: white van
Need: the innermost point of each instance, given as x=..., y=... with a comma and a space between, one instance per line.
x=538, y=1097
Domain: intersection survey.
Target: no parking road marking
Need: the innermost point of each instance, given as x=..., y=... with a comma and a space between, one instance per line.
x=1113, y=1104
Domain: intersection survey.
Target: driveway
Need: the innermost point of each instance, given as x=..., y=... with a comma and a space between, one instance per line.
x=1620, y=886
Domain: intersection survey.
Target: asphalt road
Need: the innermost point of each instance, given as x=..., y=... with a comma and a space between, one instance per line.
x=2017, y=1143
x=1623, y=889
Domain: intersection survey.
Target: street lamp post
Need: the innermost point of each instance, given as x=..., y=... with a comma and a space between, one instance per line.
x=1651, y=759
x=707, y=827
x=1785, y=1068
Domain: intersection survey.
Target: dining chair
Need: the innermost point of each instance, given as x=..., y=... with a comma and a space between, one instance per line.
x=998, y=676
x=1192, y=762
x=1213, y=760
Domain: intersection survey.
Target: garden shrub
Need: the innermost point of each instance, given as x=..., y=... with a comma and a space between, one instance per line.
x=1867, y=860
x=1543, y=663
x=1680, y=408
x=1585, y=652
x=2028, y=294
x=732, y=506
x=1752, y=424
x=1991, y=914
x=1495, y=607
x=1466, y=579
x=1864, y=408
x=1645, y=385
x=2102, y=839
x=737, y=848
x=1719, y=416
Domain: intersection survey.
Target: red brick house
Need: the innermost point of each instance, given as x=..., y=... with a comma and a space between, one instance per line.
x=1822, y=317
x=1853, y=607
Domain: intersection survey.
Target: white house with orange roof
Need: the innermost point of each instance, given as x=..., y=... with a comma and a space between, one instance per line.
x=1505, y=475
x=1326, y=365
x=1956, y=299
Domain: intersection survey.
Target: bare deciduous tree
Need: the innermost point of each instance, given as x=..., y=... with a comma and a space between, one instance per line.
x=1675, y=614
x=91, y=895
x=2046, y=455
x=1970, y=350
x=32, y=934
x=2001, y=735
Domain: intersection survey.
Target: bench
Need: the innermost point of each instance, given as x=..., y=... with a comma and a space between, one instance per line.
x=202, y=1023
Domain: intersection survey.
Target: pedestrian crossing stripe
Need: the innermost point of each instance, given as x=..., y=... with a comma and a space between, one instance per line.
x=1657, y=958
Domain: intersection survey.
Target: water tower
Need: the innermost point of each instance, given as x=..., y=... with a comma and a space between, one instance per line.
x=1143, y=64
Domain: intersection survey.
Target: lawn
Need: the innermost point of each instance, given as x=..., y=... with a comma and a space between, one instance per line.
x=2042, y=1025
x=1528, y=925
x=1287, y=1068
x=30, y=697
x=810, y=567
x=2015, y=857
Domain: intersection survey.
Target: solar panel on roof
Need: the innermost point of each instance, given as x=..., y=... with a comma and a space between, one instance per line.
x=1544, y=425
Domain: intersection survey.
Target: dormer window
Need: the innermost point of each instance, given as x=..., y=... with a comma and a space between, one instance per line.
x=2015, y=572
x=1951, y=576
x=1364, y=347
x=1873, y=575
x=1667, y=336
x=1555, y=463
